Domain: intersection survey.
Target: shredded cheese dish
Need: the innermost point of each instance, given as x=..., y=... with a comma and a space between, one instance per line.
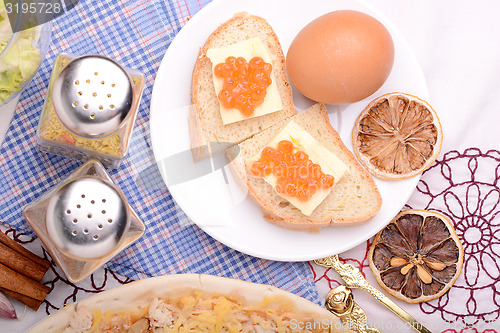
x=196, y=313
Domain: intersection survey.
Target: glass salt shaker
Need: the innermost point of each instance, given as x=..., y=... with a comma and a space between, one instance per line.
x=84, y=221
x=90, y=109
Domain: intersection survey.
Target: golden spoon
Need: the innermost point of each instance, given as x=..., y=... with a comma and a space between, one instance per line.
x=340, y=302
x=354, y=279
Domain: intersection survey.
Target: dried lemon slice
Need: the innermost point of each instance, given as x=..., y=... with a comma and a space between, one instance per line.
x=397, y=136
x=417, y=256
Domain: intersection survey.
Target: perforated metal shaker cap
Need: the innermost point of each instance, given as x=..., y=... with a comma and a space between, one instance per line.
x=87, y=217
x=93, y=96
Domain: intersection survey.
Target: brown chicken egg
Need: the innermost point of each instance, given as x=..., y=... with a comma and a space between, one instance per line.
x=341, y=57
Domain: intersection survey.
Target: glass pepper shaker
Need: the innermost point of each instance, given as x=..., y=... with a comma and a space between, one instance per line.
x=84, y=221
x=90, y=109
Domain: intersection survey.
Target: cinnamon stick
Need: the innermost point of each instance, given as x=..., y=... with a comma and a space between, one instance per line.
x=18, y=283
x=21, y=264
x=28, y=301
x=6, y=240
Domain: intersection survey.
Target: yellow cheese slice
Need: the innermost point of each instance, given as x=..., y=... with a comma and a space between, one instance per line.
x=319, y=154
x=247, y=49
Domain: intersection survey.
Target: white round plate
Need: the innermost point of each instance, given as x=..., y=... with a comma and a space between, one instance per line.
x=214, y=201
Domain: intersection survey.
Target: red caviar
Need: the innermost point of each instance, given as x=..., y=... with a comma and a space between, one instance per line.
x=245, y=83
x=297, y=176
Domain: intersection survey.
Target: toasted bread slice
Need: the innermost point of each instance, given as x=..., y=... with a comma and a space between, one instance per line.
x=354, y=199
x=205, y=122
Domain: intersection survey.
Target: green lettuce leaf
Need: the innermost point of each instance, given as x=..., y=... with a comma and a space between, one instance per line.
x=20, y=61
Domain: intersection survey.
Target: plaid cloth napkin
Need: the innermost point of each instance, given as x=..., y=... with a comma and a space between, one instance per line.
x=136, y=34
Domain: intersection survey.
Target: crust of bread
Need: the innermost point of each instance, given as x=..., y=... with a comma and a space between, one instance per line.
x=199, y=147
x=354, y=199
x=205, y=122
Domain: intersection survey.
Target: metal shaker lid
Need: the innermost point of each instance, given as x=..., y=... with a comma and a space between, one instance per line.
x=87, y=217
x=92, y=96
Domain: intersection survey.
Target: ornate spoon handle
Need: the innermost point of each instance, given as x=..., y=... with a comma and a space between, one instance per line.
x=340, y=301
x=354, y=279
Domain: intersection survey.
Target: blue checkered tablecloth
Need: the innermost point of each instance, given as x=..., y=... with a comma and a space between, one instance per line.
x=135, y=33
